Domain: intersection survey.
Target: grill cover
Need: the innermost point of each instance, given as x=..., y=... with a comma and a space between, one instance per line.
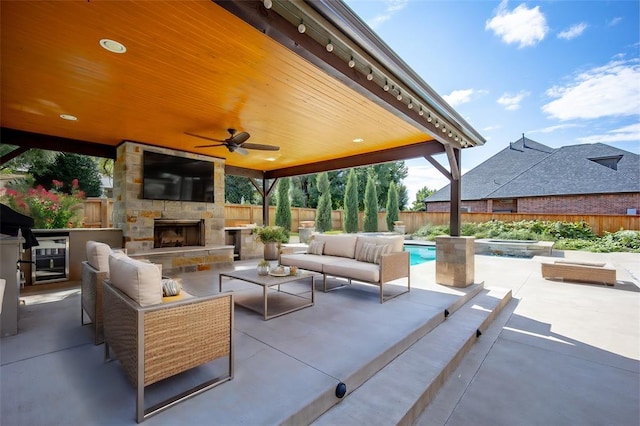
x=11, y=221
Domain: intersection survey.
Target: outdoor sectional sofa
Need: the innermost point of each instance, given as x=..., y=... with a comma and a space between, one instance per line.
x=369, y=259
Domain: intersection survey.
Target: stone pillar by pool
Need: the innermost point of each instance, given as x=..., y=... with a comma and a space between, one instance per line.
x=455, y=262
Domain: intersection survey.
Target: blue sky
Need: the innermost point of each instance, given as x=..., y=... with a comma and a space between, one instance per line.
x=561, y=72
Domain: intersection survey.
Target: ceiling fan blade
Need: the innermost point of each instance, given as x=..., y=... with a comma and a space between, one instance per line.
x=203, y=137
x=261, y=147
x=208, y=146
x=239, y=138
x=240, y=150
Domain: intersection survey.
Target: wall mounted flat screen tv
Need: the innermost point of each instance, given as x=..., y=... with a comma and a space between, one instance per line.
x=166, y=177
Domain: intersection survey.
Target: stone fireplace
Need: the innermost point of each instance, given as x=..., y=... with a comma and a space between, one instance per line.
x=181, y=235
x=178, y=233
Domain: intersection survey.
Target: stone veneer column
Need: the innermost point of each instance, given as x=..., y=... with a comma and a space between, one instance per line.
x=455, y=262
x=136, y=216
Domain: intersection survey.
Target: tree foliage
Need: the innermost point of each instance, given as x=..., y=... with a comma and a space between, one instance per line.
x=283, y=205
x=67, y=167
x=393, y=213
x=351, y=203
x=239, y=190
x=323, y=212
x=31, y=159
x=422, y=194
x=370, y=205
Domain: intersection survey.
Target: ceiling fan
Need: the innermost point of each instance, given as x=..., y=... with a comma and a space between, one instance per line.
x=235, y=143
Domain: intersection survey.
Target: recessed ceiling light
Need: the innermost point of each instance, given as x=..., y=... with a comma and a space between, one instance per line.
x=68, y=117
x=112, y=45
x=358, y=140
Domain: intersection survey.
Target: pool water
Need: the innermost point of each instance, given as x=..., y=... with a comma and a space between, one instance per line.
x=420, y=254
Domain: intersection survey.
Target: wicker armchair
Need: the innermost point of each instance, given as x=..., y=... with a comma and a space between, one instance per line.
x=91, y=300
x=159, y=341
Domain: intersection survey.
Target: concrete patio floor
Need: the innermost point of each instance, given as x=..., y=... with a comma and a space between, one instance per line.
x=559, y=353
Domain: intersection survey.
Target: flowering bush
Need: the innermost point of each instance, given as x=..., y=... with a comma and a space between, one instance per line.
x=49, y=209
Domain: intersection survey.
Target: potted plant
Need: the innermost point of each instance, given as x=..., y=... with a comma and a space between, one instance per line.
x=264, y=267
x=271, y=237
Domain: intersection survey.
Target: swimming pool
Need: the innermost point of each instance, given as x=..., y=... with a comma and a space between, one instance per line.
x=420, y=253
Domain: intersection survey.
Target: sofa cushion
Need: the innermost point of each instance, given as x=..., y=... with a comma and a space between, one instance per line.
x=98, y=255
x=310, y=262
x=351, y=268
x=139, y=280
x=343, y=245
x=371, y=252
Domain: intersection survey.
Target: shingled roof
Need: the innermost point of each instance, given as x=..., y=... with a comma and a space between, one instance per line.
x=530, y=169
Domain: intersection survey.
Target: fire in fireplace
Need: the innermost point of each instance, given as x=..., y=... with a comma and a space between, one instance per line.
x=178, y=233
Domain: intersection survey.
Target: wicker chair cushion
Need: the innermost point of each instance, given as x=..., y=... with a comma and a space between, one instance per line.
x=170, y=287
x=139, y=280
x=98, y=255
x=395, y=242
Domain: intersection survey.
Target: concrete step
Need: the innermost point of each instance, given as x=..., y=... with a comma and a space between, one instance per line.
x=400, y=392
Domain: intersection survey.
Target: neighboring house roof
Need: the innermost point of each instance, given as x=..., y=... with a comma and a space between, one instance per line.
x=529, y=169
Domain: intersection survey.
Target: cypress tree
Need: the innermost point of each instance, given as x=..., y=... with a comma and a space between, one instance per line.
x=393, y=212
x=283, y=205
x=323, y=212
x=351, y=203
x=370, y=206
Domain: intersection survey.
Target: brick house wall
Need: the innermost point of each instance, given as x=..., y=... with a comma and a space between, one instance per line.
x=581, y=204
x=568, y=204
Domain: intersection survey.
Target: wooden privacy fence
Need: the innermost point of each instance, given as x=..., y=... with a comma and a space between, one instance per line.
x=98, y=213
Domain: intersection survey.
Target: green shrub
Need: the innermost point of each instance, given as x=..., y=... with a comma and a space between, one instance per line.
x=565, y=235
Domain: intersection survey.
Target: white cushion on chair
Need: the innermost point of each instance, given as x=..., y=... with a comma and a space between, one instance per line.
x=139, y=280
x=98, y=255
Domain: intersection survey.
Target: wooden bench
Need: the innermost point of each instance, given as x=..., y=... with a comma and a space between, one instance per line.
x=590, y=272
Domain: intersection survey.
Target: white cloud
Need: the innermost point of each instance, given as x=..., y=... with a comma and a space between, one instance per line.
x=552, y=129
x=629, y=133
x=459, y=97
x=573, y=32
x=612, y=90
x=522, y=26
x=392, y=7
x=512, y=102
x=614, y=21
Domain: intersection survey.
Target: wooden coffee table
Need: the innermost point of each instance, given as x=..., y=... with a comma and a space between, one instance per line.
x=285, y=302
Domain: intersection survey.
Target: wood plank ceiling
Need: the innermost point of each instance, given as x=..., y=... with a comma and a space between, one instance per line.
x=189, y=67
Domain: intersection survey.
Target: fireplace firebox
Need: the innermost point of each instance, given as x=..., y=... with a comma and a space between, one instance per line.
x=178, y=233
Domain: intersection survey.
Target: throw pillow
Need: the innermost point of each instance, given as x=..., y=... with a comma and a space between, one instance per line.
x=371, y=253
x=316, y=247
x=170, y=287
